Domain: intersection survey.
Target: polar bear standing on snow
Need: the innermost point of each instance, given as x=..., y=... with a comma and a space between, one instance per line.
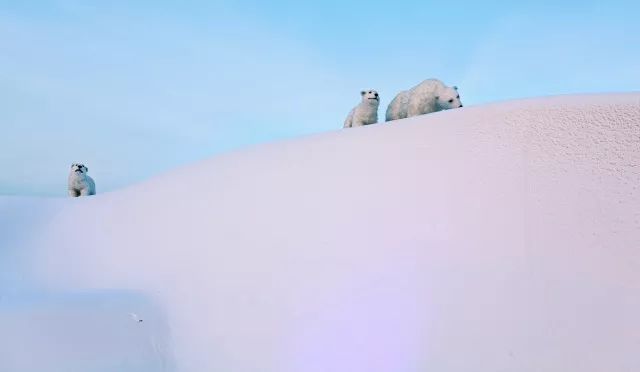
x=80, y=184
x=366, y=112
x=429, y=96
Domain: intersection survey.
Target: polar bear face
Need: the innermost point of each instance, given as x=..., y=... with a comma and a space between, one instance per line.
x=79, y=168
x=370, y=96
x=448, y=98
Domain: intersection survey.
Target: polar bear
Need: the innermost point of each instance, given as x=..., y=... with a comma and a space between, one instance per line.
x=366, y=112
x=80, y=184
x=429, y=96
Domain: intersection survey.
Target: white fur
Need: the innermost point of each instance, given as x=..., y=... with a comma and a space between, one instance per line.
x=80, y=184
x=429, y=96
x=366, y=112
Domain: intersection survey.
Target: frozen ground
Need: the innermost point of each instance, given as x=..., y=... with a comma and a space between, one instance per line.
x=494, y=238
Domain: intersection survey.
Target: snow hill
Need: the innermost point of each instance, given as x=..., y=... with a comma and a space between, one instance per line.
x=495, y=238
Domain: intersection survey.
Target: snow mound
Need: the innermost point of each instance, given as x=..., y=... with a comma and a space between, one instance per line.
x=492, y=238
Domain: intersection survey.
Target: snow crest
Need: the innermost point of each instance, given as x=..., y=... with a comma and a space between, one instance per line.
x=501, y=238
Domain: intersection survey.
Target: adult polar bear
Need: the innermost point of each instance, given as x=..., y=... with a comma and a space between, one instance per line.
x=429, y=96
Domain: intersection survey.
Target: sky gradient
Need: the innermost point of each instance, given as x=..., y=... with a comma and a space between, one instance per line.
x=133, y=89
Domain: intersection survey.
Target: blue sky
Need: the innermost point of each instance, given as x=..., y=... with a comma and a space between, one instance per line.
x=133, y=89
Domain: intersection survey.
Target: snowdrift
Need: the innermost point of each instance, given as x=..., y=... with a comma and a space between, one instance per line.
x=497, y=238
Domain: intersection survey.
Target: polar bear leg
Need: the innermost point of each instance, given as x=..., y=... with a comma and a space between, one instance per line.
x=348, y=123
x=394, y=110
x=85, y=192
x=387, y=115
x=358, y=123
x=391, y=113
x=397, y=109
x=73, y=193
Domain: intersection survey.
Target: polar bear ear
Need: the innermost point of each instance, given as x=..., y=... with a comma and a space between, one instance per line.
x=455, y=87
x=86, y=169
x=362, y=92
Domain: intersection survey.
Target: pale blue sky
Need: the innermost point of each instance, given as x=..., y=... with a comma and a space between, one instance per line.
x=136, y=88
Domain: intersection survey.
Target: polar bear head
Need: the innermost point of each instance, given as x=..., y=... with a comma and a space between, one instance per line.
x=370, y=96
x=448, y=98
x=77, y=168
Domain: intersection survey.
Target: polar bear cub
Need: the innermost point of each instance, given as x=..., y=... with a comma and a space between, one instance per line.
x=80, y=184
x=429, y=96
x=366, y=112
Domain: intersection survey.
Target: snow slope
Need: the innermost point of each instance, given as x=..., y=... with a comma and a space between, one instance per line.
x=496, y=238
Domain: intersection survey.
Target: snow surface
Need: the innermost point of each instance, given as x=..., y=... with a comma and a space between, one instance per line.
x=493, y=238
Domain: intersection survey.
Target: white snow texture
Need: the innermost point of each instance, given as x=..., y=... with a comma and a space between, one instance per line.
x=496, y=238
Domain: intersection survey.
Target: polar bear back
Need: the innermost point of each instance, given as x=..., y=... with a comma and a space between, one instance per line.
x=428, y=89
x=421, y=99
